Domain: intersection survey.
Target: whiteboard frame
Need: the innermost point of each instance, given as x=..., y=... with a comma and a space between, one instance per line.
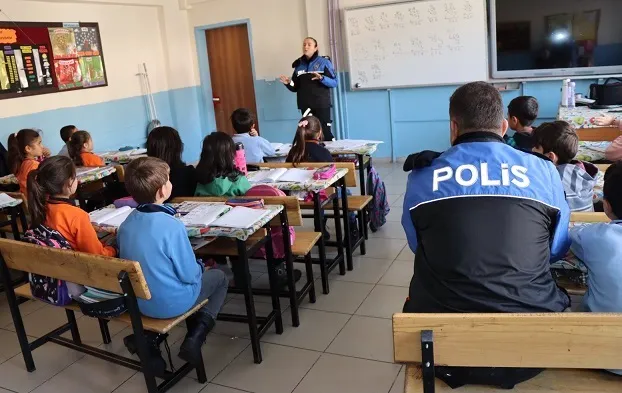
x=353, y=88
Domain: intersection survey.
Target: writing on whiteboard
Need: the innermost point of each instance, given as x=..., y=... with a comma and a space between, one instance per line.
x=418, y=42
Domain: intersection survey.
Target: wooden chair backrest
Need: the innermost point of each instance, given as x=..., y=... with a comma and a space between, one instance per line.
x=588, y=217
x=350, y=176
x=292, y=205
x=603, y=167
x=120, y=173
x=554, y=340
x=76, y=267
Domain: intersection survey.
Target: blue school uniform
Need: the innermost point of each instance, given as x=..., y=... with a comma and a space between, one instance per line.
x=255, y=147
x=156, y=239
x=599, y=246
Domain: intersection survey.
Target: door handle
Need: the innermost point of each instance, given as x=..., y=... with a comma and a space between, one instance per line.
x=216, y=99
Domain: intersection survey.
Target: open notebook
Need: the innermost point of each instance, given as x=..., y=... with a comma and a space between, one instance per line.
x=110, y=216
x=294, y=175
x=6, y=200
x=240, y=217
x=201, y=214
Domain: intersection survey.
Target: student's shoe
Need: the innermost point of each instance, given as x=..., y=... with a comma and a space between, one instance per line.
x=154, y=360
x=281, y=273
x=198, y=328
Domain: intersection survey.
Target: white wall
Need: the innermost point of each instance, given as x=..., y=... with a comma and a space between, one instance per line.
x=277, y=28
x=137, y=31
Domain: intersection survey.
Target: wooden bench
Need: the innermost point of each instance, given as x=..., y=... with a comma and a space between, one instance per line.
x=589, y=217
x=303, y=244
x=566, y=344
x=355, y=203
x=111, y=274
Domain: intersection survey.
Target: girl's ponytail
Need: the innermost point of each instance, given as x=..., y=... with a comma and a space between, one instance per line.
x=51, y=178
x=37, y=198
x=297, y=152
x=309, y=128
x=17, y=145
x=75, y=146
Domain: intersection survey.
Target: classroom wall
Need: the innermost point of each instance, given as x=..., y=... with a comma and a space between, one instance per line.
x=418, y=116
x=132, y=32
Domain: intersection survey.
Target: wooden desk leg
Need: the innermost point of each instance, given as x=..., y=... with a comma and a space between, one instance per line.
x=275, y=290
x=346, y=224
x=318, y=224
x=289, y=264
x=339, y=234
x=243, y=281
x=16, y=315
x=361, y=160
x=14, y=228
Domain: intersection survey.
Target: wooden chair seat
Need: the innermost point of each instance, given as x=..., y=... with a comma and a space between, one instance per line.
x=355, y=203
x=151, y=324
x=305, y=241
x=549, y=381
x=228, y=246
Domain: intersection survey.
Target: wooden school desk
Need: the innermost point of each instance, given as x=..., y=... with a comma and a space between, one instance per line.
x=581, y=118
x=363, y=155
x=242, y=243
x=122, y=157
x=315, y=187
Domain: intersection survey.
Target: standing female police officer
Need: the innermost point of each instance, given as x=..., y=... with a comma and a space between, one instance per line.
x=313, y=76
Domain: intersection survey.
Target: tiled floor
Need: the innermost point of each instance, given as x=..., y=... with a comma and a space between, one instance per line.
x=344, y=342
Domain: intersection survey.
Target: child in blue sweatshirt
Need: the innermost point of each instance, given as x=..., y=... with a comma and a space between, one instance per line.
x=599, y=246
x=255, y=147
x=156, y=239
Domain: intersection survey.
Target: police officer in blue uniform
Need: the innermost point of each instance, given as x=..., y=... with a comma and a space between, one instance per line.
x=484, y=221
x=313, y=77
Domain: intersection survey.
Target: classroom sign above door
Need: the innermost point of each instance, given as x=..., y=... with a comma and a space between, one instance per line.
x=41, y=58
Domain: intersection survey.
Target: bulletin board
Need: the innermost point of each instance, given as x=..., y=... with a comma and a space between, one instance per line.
x=47, y=57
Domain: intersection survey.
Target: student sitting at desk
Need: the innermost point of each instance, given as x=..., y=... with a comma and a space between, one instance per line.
x=25, y=149
x=559, y=142
x=81, y=150
x=614, y=151
x=65, y=134
x=484, y=221
x=255, y=147
x=522, y=112
x=306, y=146
x=216, y=172
x=156, y=239
x=599, y=247
x=164, y=143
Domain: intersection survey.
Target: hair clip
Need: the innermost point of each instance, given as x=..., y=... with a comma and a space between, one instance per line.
x=303, y=123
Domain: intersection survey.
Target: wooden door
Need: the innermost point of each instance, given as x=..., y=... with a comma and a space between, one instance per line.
x=229, y=55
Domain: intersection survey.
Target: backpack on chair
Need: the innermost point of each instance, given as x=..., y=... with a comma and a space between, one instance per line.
x=48, y=289
x=278, y=246
x=379, y=207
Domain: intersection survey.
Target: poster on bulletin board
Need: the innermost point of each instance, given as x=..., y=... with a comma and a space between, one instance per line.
x=42, y=57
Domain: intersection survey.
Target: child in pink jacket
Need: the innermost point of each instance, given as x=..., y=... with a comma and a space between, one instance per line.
x=614, y=151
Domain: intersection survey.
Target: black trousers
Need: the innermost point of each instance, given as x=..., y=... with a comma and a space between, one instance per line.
x=324, y=115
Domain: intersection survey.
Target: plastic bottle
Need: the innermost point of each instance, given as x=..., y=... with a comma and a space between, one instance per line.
x=240, y=158
x=571, y=97
x=565, y=88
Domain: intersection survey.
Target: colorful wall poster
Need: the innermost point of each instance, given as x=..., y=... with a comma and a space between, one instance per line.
x=11, y=67
x=92, y=71
x=44, y=53
x=63, y=43
x=68, y=74
x=4, y=76
x=87, y=41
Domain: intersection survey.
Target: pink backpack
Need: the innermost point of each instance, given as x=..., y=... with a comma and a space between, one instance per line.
x=278, y=246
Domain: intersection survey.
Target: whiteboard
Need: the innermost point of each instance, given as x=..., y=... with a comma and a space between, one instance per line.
x=417, y=43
